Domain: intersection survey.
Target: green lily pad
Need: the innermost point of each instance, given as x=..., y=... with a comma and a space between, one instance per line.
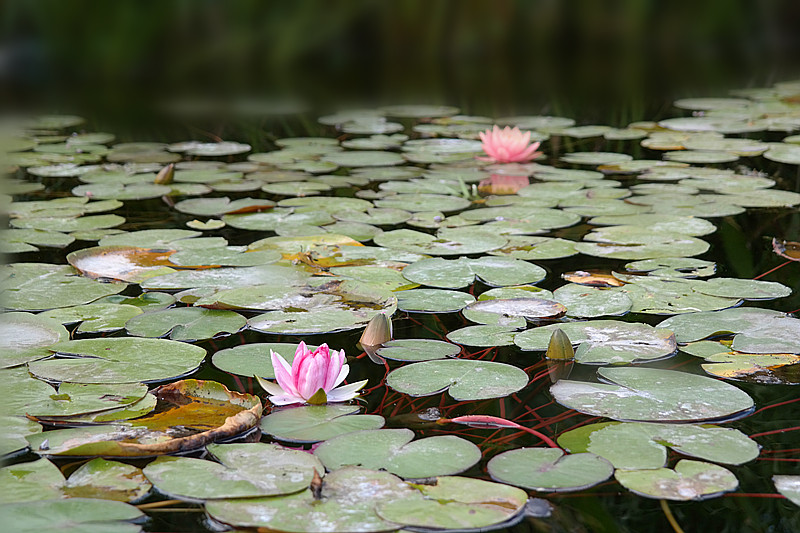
x=459, y=273
x=67, y=224
x=80, y=399
x=605, y=341
x=32, y=481
x=364, y=158
x=591, y=302
x=107, y=480
x=25, y=337
x=765, y=369
x=119, y=360
x=243, y=471
x=788, y=154
x=23, y=240
x=674, y=267
x=432, y=300
x=423, y=243
x=595, y=158
x=789, y=486
x=549, y=469
x=484, y=335
x=147, y=301
x=416, y=203
x=214, y=207
x=747, y=289
x=393, y=450
x=379, y=216
x=653, y=395
x=756, y=330
x=95, y=317
x=673, y=247
x=72, y=515
x=15, y=429
x=348, y=501
x=149, y=238
x=690, y=480
x=463, y=379
x=505, y=312
x=41, y=286
x=457, y=503
x=314, y=423
x=638, y=446
x=224, y=278
x=417, y=350
x=185, y=323
x=534, y=248
x=253, y=359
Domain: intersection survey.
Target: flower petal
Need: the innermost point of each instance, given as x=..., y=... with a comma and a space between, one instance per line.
x=285, y=399
x=346, y=392
x=270, y=387
x=283, y=372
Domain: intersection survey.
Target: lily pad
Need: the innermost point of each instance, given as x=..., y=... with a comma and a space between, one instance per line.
x=243, y=471
x=463, y=379
x=605, y=341
x=72, y=515
x=789, y=486
x=653, y=395
x=41, y=286
x=423, y=202
x=549, y=469
x=417, y=350
x=690, y=480
x=638, y=446
x=459, y=273
x=314, y=423
x=95, y=317
x=118, y=360
x=347, y=502
x=253, y=359
x=25, y=337
x=591, y=302
x=765, y=369
x=185, y=323
x=432, y=300
x=15, y=429
x=393, y=450
x=484, y=335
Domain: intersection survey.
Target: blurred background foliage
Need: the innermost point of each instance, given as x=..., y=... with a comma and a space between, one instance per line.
x=599, y=61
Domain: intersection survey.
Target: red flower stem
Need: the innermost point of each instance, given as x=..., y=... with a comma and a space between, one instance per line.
x=770, y=271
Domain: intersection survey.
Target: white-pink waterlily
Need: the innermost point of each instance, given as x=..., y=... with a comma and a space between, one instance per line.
x=313, y=377
x=508, y=145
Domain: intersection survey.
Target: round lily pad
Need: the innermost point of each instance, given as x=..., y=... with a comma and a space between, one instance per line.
x=416, y=203
x=314, y=423
x=25, y=337
x=653, y=395
x=71, y=515
x=484, y=335
x=590, y=302
x=253, y=359
x=463, y=379
x=41, y=286
x=690, y=480
x=788, y=486
x=549, y=469
x=119, y=360
x=605, y=341
x=185, y=323
x=495, y=271
x=393, y=450
x=95, y=317
x=243, y=471
x=423, y=243
x=432, y=300
x=347, y=502
x=417, y=350
x=638, y=445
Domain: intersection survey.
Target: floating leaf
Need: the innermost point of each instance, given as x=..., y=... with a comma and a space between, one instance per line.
x=605, y=341
x=25, y=337
x=549, y=469
x=190, y=415
x=417, y=350
x=590, y=302
x=393, y=450
x=766, y=369
x=15, y=429
x=243, y=471
x=463, y=379
x=107, y=480
x=253, y=359
x=690, y=480
x=41, y=286
x=313, y=423
x=637, y=446
x=484, y=335
x=432, y=300
x=185, y=323
x=95, y=317
x=119, y=360
x=653, y=395
x=72, y=515
x=789, y=486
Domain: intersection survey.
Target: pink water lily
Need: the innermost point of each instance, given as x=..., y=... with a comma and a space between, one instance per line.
x=508, y=145
x=314, y=377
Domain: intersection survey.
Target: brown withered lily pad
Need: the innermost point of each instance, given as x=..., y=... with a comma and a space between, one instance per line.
x=593, y=278
x=189, y=414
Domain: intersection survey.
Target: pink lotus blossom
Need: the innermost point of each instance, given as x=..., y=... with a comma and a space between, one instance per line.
x=312, y=378
x=508, y=145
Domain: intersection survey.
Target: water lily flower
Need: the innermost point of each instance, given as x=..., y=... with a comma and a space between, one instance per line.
x=314, y=377
x=508, y=145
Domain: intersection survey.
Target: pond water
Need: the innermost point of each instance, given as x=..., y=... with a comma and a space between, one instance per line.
x=664, y=250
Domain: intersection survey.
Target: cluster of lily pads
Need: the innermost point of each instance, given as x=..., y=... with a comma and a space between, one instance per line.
x=397, y=216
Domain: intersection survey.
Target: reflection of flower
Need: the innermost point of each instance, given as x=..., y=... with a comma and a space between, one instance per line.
x=503, y=184
x=508, y=145
x=312, y=378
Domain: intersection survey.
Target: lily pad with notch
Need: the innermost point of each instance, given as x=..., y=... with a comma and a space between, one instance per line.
x=417, y=350
x=549, y=469
x=186, y=323
x=314, y=423
x=690, y=480
x=653, y=395
x=463, y=379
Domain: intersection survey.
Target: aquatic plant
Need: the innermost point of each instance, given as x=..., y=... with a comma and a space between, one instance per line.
x=508, y=145
x=313, y=377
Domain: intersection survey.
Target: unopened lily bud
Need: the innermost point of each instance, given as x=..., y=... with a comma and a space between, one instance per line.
x=560, y=347
x=165, y=175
